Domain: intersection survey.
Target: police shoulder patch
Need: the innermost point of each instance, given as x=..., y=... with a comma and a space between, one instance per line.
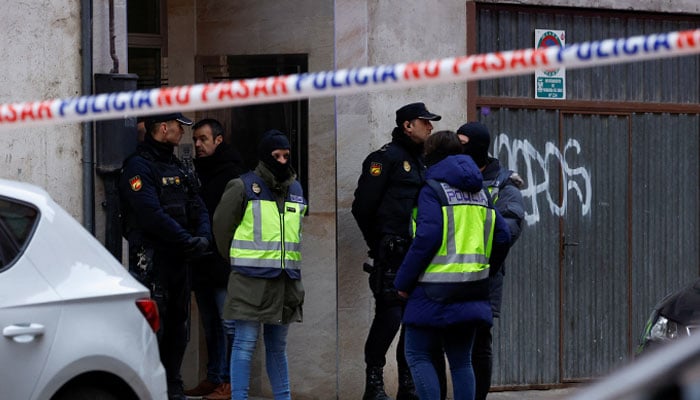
x=375, y=168
x=135, y=183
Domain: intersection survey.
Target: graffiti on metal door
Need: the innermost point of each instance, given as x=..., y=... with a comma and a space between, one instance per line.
x=539, y=168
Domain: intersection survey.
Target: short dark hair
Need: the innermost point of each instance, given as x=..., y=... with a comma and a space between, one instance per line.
x=440, y=145
x=216, y=128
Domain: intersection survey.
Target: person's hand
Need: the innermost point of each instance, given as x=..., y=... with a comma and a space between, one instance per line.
x=196, y=246
x=402, y=294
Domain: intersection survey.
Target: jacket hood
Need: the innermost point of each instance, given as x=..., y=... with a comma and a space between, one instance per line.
x=459, y=171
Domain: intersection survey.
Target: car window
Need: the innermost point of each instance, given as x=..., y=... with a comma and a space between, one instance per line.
x=17, y=222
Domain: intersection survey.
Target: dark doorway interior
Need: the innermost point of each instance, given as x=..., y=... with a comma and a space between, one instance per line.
x=246, y=124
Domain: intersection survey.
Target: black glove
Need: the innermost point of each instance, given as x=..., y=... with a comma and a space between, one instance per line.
x=196, y=246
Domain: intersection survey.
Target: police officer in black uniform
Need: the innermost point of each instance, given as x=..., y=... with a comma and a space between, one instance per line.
x=386, y=194
x=166, y=225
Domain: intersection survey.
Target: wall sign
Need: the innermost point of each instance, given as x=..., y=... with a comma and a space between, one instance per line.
x=550, y=83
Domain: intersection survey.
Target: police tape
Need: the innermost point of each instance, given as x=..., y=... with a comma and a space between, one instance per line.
x=346, y=81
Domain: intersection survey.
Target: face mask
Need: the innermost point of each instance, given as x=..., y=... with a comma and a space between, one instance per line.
x=274, y=140
x=281, y=171
x=479, y=154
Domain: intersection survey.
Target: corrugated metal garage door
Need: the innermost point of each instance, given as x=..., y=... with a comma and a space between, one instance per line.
x=612, y=195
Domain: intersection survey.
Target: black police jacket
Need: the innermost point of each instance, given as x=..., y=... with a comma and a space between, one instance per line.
x=387, y=190
x=159, y=200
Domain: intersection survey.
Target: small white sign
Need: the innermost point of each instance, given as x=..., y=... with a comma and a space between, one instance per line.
x=550, y=84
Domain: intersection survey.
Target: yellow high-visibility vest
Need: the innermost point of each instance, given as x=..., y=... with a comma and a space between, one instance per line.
x=468, y=224
x=268, y=239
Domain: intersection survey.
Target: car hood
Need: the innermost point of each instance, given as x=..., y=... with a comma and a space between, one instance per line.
x=682, y=306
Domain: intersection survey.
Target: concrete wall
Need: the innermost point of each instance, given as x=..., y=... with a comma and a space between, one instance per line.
x=41, y=47
x=373, y=33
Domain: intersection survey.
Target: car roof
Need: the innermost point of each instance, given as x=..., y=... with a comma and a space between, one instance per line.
x=26, y=192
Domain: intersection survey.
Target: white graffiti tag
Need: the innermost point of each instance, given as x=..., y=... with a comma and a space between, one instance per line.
x=577, y=179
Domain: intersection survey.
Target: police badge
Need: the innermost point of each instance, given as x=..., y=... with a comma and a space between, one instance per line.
x=406, y=166
x=255, y=188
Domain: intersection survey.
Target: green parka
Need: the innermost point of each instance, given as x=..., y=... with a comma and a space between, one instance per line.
x=272, y=301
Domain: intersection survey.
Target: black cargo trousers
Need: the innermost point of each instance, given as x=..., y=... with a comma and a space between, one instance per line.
x=388, y=305
x=389, y=308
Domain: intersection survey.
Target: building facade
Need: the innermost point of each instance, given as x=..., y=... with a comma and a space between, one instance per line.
x=611, y=189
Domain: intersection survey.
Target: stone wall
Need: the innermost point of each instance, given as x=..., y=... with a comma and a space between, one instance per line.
x=41, y=47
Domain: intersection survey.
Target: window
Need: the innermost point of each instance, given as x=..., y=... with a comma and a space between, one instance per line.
x=17, y=222
x=148, y=42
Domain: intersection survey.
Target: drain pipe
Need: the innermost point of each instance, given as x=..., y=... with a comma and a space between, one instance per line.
x=87, y=142
x=112, y=47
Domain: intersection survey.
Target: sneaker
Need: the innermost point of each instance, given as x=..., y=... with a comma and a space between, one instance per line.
x=204, y=388
x=222, y=392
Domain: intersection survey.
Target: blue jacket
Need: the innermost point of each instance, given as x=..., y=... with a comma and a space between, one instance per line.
x=461, y=172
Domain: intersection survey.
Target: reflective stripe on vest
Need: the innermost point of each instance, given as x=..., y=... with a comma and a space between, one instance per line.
x=266, y=238
x=468, y=225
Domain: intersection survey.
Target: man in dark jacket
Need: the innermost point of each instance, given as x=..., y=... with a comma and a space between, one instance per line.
x=166, y=225
x=216, y=164
x=386, y=193
x=504, y=186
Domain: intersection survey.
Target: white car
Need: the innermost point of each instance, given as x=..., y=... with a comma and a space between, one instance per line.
x=74, y=323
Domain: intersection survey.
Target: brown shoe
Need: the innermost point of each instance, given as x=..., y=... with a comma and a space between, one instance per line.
x=204, y=388
x=222, y=392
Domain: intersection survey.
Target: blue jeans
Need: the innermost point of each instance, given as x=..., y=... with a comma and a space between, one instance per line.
x=422, y=343
x=210, y=303
x=275, y=338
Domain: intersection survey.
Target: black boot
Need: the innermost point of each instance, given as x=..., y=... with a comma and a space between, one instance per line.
x=407, y=390
x=374, y=386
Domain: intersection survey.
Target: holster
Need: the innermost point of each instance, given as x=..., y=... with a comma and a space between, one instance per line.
x=392, y=250
x=142, y=268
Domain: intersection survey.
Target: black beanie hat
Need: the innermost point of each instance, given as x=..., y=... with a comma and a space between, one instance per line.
x=479, y=141
x=271, y=141
x=274, y=140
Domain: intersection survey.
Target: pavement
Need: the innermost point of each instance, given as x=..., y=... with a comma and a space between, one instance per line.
x=549, y=394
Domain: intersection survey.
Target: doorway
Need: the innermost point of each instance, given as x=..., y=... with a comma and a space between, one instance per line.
x=595, y=267
x=245, y=125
